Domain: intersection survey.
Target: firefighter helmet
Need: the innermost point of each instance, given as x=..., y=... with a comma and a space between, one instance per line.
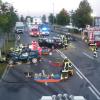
x=66, y=60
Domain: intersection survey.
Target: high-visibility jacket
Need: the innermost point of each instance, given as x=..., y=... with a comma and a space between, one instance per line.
x=65, y=42
x=95, y=48
x=66, y=65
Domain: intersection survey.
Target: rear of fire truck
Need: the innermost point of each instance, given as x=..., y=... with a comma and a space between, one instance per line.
x=91, y=35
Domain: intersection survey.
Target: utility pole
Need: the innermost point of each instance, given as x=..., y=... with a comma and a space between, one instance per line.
x=53, y=12
x=93, y=21
x=70, y=14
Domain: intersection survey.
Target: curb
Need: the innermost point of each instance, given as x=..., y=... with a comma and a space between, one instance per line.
x=4, y=73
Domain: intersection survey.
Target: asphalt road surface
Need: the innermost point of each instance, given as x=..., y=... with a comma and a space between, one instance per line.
x=85, y=81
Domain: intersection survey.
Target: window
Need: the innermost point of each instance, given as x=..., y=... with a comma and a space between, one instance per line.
x=97, y=36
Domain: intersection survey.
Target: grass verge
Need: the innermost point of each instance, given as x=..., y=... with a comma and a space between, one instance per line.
x=6, y=46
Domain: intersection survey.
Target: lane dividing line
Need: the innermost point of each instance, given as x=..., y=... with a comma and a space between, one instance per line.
x=93, y=87
x=5, y=72
x=88, y=55
x=79, y=75
x=90, y=88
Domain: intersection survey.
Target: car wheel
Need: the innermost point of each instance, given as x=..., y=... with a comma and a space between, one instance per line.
x=34, y=60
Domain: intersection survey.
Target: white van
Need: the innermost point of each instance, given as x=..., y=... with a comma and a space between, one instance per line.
x=19, y=27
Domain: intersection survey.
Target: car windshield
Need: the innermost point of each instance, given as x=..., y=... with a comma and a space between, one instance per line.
x=25, y=54
x=20, y=27
x=34, y=29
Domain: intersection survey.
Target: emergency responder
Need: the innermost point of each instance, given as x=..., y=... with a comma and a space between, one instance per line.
x=95, y=51
x=65, y=42
x=64, y=71
x=62, y=37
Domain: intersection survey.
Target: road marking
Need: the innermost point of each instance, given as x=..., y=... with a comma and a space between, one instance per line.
x=79, y=75
x=62, y=55
x=5, y=72
x=90, y=88
x=93, y=87
x=88, y=55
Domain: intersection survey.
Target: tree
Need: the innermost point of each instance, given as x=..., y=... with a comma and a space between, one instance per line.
x=22, y=18
x=52, y=18
x=62, y=18
x=0, y=5
x=82, y=16
x=44, y=18
x=29, y=19
x=8, y=18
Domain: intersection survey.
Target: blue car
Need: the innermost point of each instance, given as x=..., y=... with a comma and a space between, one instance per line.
x=31, y=56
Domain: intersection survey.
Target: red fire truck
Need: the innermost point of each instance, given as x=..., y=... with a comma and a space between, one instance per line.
x=91, y=35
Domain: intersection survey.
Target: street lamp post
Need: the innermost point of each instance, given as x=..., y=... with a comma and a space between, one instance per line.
x=93, y=21
x=53, y=12
x=70, y=14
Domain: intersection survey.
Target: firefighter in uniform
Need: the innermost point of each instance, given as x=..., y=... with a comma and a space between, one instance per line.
x=95, y=51
x=65, y=42
x=62, y=37
x=64, y=71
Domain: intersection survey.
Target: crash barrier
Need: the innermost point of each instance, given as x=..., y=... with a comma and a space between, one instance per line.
x=64, y=96
x=62, y=29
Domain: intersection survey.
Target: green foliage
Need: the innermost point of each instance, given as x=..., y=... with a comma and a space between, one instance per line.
x=82, y=16
x=44, y=18
x=0, y=2
x=8, y=17
x=52, y=18
x=29, y=17
x=22, y=18
x=62, y=18
x=3, y=22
